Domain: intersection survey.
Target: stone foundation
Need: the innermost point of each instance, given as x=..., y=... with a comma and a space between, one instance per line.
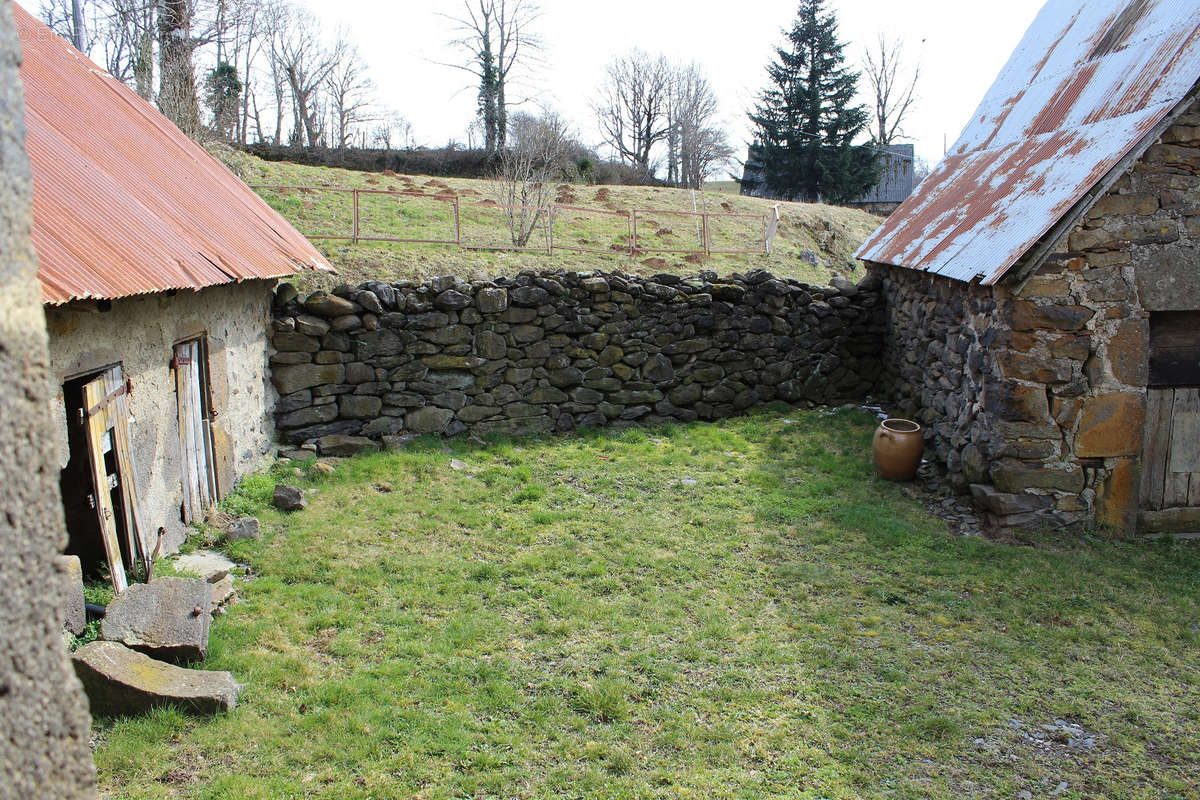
x=557, y=351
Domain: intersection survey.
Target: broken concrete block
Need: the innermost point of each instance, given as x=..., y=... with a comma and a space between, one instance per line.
x=121, y=681
x=204, y=564
x=70, y=594
x=166, y=618
x=288, y=498
x=241, y=529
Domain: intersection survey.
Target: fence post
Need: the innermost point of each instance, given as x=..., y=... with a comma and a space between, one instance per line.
x=550, y=230
x=707, y=239
x=354, y=235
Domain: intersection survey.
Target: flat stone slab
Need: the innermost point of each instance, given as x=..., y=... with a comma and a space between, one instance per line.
x=122, y=681
x=166, y=618
x=204, y=564
x=70, y=594
x=340, y=445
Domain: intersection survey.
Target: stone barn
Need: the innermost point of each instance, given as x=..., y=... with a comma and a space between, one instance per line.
x=1042, y=286
x=157, y=267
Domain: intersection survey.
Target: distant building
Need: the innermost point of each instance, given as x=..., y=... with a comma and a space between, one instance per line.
x=896, y=182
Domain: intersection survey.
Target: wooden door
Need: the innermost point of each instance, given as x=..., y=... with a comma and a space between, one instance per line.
x=1171, y=461
x=114, y=496
x=195, y=429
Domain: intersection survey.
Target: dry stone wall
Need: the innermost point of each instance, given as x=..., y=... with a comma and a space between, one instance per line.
x=557, y=351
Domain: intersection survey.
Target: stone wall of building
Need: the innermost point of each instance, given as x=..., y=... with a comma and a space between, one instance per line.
x=44, y=725
x=557, y=351
x=140, y=333
x=1034, y=392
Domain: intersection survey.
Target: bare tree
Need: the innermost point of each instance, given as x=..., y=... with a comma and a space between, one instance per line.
x=392, y=130
x=632, y=105
x=497, y=35
x=696, y=144
x=893, y=91
x=540, y=146
x=349, y=91
x=304, y=65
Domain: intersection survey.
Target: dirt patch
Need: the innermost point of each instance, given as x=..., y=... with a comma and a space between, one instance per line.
x=655, y=262
x=695, y=258
x=387, y=173
x=727, y=208
x=601, y=196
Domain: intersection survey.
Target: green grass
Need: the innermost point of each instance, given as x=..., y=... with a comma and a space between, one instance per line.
x=830, y=233
x=735, y=610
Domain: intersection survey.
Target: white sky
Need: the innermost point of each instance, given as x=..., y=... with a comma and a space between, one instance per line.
x=961, y=45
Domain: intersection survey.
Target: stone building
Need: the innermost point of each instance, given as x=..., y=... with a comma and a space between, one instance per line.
x=44, y=726
x=157, y=267
x=1042, y=286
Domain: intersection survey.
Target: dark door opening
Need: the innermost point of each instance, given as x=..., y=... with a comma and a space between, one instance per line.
x=99, y=498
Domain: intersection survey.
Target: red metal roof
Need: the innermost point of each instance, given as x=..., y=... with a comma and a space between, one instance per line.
x=123, y=202
x=1087, y=86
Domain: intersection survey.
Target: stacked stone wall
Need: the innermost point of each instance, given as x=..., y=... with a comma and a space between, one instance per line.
x=557, y=351
x=1034, y=391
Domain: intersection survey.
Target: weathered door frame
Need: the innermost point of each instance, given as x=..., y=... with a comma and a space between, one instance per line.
x=193, y=394
x=106, y=418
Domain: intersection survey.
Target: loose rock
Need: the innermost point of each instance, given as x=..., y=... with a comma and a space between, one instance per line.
x=288, y=498
x=243, y=528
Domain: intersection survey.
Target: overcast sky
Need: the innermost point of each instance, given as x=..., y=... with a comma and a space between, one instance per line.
x=961, y=46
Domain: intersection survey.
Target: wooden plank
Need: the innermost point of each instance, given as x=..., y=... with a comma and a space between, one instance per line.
x=198, y=433
x=97, y=426
x=1171, y=520
x=1156, y=446
x=183, y=396
x=135, y=529
x=1183, y=447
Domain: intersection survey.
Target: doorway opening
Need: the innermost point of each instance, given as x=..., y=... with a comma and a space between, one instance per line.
x=100, y=500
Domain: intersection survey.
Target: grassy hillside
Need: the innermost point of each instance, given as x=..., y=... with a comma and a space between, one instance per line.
x=813, y=241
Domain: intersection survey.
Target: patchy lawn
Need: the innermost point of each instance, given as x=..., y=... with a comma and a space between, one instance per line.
x=732, y=610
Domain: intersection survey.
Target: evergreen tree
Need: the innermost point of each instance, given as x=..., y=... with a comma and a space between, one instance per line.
x=223, y=92
x=805, y=123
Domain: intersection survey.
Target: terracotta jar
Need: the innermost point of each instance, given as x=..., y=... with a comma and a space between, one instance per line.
x=897, y=448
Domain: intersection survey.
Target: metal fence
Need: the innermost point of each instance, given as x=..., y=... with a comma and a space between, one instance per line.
x=445, y=218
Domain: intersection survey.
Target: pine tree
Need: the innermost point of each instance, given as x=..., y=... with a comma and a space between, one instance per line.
x=805, y=123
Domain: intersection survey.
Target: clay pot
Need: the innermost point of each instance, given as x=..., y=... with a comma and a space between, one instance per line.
x=897, y=449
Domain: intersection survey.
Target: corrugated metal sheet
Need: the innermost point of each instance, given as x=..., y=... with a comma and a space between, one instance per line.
x=1088, y=83
x=123, y=202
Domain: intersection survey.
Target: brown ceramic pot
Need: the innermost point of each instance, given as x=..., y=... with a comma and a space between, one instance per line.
x=897, y=449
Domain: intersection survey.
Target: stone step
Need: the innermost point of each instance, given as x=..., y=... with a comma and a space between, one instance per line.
x=122, y=681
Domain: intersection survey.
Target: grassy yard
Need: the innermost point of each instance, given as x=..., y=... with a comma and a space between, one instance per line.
x=829, y=235
x=732, y=610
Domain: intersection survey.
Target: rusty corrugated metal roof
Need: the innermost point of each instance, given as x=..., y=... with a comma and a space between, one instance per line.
x=123, y=202
x=1089, y=82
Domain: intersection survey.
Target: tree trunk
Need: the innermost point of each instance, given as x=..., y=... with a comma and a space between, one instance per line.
x=177, y=80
